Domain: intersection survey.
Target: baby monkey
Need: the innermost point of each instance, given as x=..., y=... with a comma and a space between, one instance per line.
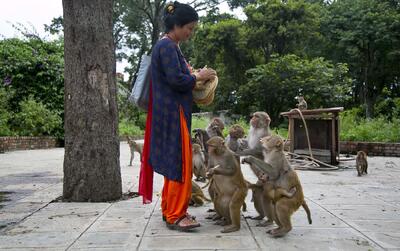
x=273, y=192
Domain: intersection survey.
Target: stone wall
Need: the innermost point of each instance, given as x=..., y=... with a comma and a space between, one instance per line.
x=26, y=143
x=372, y=149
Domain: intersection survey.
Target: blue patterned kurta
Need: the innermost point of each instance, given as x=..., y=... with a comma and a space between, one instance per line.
x=172, y=86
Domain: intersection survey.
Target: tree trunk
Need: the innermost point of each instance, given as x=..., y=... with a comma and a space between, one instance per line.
x=91, y=161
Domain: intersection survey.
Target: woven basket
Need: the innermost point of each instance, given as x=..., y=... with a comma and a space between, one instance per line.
x=205, y=95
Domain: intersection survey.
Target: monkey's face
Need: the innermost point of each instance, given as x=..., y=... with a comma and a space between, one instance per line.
x=216, y=145
x=236, y=131
x=272, y=142
x=196, y=148
x=260, y=119
x=219, y=123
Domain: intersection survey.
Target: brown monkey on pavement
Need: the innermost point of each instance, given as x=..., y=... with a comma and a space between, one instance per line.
x=230, y=186
x=199, y=163
x=257, y=199
x=134, y=147
x=197, y=197
x=259, y=128
x=361, y=163
x=282, y=175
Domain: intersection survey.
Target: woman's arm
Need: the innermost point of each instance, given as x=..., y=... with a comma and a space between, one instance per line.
x=178, y=80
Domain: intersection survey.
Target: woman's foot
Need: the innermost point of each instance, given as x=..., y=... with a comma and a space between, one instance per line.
x=185, y=223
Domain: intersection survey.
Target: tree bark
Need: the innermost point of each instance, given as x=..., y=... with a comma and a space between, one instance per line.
x=91, y=162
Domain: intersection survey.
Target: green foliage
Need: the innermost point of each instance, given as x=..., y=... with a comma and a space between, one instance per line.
x=35, y=119
x=273, y=87
x=366, y=35
x=379, y=129
x=282, y=27
x=31, y=73
x=5, y=113
x=199, y=122
x=33, y=67
x=127, y=128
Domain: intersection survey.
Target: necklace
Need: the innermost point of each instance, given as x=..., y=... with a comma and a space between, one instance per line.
x=169, y=36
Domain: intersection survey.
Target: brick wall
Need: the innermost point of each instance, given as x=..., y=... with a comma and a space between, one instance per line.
x=372, y=149
x=25, y=143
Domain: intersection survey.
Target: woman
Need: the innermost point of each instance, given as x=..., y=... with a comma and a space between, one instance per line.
x=170, y=114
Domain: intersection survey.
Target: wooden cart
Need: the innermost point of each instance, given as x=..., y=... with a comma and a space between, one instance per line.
x=323, y=128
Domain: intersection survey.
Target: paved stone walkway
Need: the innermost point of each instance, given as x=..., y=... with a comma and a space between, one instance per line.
x=349, y=213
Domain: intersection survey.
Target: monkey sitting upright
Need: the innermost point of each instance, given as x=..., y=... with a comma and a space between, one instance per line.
x=302, y=105
x=361, y=163
x=215, y=128
x=281, y=175
x=134, y=147
x=230, y=188
x=199, y=163
x=259, y=128
x=236, y=132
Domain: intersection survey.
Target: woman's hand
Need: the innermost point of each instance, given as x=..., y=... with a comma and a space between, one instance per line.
x=205, y=74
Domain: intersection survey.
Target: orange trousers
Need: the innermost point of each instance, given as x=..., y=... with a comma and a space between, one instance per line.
x=176, y=195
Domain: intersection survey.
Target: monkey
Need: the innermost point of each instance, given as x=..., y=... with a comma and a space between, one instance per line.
x=197, y=197
x=236, y=132
x=361, y=163
x=215, y=128
x=281, y=175
x=274, y=193
x=264, y=188
x=199, y=165
x=134, y=147
x=230, y=188
x=201, y=137
x=259, y=128
x=257, y=199
x=302, y=105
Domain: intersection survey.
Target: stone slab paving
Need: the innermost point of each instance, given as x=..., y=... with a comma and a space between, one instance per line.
x=349, y=213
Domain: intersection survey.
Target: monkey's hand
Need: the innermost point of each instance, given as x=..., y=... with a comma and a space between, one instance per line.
x=247, y=160
x=263, y=177
x=210, y=173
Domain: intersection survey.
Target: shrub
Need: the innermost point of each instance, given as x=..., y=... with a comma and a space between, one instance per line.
x=5, y=114
x=127, y=128
x=380, y=129
x=200, y=122
x=35, y=119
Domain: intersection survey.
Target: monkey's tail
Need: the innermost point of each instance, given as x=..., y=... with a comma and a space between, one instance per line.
x=305, y=206
x=207, y=184
x=205, y=198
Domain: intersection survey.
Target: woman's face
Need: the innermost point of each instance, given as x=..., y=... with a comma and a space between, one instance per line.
x=185, y=32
